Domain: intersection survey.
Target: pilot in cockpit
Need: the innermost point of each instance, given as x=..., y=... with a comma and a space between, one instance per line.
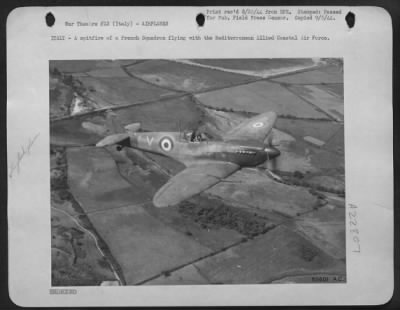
x=195, y=136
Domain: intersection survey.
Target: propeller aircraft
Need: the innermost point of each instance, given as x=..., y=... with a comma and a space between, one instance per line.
x=207, y=162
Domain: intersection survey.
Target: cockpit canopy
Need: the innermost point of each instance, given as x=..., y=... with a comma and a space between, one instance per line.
x=195, y=136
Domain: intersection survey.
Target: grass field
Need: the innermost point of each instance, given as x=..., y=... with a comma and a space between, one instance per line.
x=293, y=159
x=187, y=275
x=114, y=91
x=151, y=247
x=330, y=104
x=323, y=228
x=323, y=75
x=336, y=142
x=251, y=190
x=303, y=156
x=79, y=66
x=298, y=128
x=95, y=181
x=113, y=72
x=326, y=160
x=269, y=257
x=184, y=77
x=167, y=115
x=334, y=89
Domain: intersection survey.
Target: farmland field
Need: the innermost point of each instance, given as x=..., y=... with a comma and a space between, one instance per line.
x=324, y=75
x=252, y=186
x=90, y=172
x=334, y=89
x=75, y=66
x=269, y=257
x=183, y=77
x=323, y=229
x=157, y=116
x=151, y=248
x=186, y=275
x=122, y=90
x=321, y=130
x=331, y=105
x=336, y=142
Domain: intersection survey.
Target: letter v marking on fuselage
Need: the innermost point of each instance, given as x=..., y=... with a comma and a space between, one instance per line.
x=149, y=140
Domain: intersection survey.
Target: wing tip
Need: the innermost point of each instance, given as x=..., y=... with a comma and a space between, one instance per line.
x=101, y=143
x=158, y=203
x=159, y=200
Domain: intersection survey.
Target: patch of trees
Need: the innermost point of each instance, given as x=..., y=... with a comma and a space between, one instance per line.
x=217, y=215
x=289, y=116
x=59, y=172
x=308, y=253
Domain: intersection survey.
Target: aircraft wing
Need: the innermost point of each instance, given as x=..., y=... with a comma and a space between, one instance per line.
x=191, y=181
x=255, y=128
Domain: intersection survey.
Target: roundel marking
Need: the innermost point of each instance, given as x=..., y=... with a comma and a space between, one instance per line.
x=258, y=124
x=166, y=144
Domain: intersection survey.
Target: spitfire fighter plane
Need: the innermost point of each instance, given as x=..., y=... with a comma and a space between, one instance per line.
x=207, y=161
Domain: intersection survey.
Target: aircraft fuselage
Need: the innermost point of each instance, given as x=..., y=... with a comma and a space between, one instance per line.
x=174, y=145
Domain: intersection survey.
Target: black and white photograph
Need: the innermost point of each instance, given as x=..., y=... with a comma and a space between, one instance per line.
x=197, y=171
x=200, y=156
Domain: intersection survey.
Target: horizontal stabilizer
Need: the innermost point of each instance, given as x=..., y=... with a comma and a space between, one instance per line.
x=132, y=127
x=113, y=139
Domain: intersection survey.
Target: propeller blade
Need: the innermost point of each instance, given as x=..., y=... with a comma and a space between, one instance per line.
x=273, y=164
